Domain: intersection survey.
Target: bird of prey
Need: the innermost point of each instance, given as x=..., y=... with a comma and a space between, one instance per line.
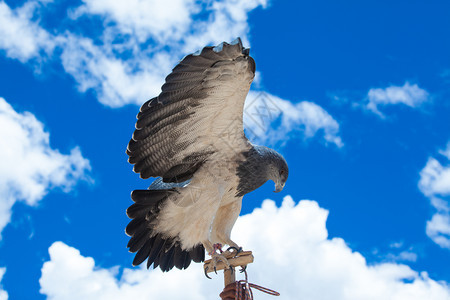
x=191, y=138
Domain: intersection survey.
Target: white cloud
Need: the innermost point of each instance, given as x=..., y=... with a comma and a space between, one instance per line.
x=293, y=255
x=138, y=45
x=116, y=81
x=20, y=37
x=177, y=24
x=435, y=178
x=29, y=166
x=144, y=19
x=438, y=229
x=263, y=111
x=403, y=256
x=69, y=275
x=226, y=20
x=3, y=293
x=446, y=151
x=410, y=95
x=435, y=184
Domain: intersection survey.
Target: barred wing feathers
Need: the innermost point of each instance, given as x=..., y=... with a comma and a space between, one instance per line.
x=201, y=99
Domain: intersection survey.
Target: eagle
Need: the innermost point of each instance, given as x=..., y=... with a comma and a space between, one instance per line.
x=191, y=138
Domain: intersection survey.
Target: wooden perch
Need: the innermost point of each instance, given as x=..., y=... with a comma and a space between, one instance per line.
x=235, y=289
x=240, y=260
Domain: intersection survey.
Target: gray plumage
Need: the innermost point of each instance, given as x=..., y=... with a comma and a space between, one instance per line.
x=191, y=138
x=260, y=164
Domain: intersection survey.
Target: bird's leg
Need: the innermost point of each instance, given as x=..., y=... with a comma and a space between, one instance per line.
x=215, y=256
x=236, y=250
x=218, y=246
x=218, y=256
x=233, y=246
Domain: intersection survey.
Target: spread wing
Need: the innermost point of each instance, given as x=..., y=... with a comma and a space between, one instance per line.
x=198, y=113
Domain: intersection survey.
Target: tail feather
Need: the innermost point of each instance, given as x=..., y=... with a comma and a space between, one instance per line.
x=159, y=250
x=150, y=197
x=138, y=240
x=147, y=201
x=187, y=260
x=155, y=263
x=136, y=224
x=137, y=210
x=156, y=249
x=198, y=253
x=179, y=256
x=166, y=260
x=142, y=254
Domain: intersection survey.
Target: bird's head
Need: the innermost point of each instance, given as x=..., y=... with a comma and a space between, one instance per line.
x=278, y=171
x=261, y=164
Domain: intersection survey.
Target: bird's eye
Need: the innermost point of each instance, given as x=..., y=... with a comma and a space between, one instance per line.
x=281, y=172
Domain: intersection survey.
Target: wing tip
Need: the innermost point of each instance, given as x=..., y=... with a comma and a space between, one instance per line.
x=223, y=47
x=236, y=43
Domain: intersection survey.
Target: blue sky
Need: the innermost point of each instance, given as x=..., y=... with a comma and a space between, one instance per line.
x=358, y=98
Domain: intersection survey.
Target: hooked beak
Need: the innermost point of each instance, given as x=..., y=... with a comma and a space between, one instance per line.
x=278, y=187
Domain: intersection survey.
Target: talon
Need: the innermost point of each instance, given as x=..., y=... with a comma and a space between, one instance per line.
x=217, y=258
x=206, y=273
x=235, y=249
x=232, y=247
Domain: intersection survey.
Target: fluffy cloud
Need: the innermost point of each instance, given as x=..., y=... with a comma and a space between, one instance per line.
x=139, y=43
x=20, y=37
x=3, y=294
x=446, y=151
x=293, y=255
x=116, y=81
x=410, y=95
x=69, y=275
x=435, y=184
x=127, y=59
x=186, y=23
x=269, y=118
x=143, y=19
x=29, y=166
